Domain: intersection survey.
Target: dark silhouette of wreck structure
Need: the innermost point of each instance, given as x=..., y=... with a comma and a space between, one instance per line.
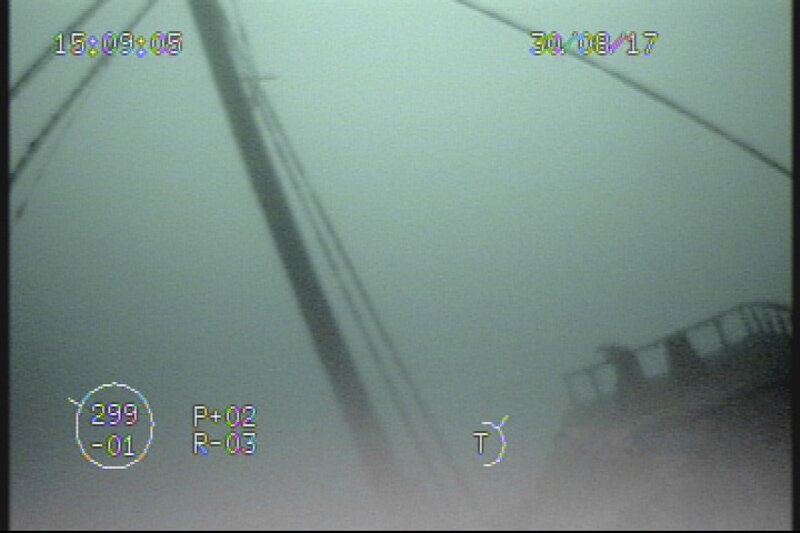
x=691, y=430
x=748, y=347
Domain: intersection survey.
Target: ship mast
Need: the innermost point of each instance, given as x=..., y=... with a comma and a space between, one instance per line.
x=331, y=349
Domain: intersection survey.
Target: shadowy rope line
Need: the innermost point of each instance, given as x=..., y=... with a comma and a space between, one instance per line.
x=640, y=87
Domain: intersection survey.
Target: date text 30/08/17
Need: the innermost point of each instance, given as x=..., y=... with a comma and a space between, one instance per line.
x=587, y=43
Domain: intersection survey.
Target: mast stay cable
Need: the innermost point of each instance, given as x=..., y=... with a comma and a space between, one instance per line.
x=55, y=118
x=47, y=54
x=647, y=91
x=19, y=212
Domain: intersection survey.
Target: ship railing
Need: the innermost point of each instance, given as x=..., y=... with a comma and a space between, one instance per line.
x=708, y=338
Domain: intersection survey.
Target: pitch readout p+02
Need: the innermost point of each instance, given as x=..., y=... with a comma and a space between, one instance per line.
x=234, y=442
x=118, y=426
x=588, y=43
x=125, y=44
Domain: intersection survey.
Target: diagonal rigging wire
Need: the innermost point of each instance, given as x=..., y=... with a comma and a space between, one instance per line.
x=638, y=86
x=47, y=53
x=99, y=64
x=74, y=112
x=297, y=173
